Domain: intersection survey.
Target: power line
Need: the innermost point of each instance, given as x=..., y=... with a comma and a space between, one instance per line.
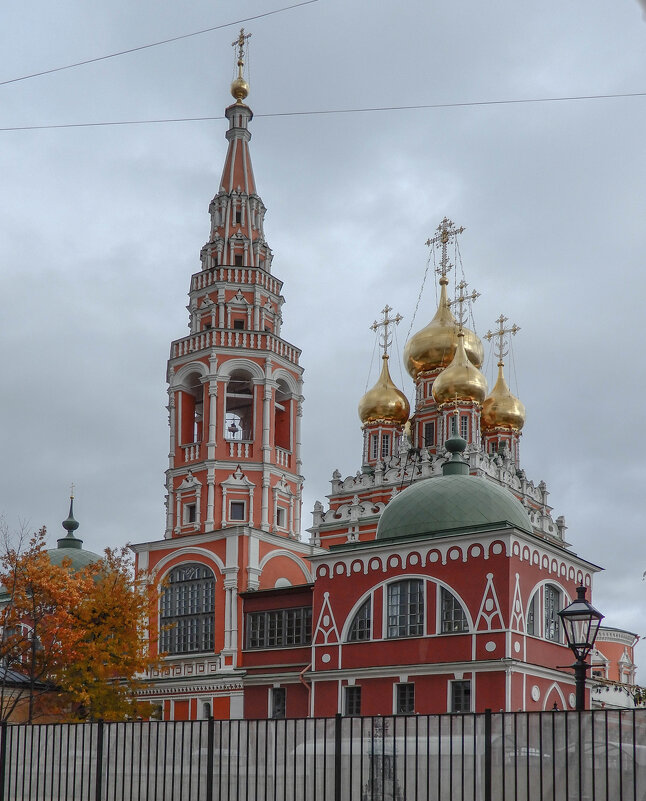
x=465, y=104
x=153, y=44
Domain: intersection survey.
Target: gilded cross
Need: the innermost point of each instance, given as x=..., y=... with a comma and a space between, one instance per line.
x=240, y=43
x=461, y=301
x=501, y=347
x=385, y=337
x=445, y=231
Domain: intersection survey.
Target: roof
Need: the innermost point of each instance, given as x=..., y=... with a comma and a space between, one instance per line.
x=442, y=504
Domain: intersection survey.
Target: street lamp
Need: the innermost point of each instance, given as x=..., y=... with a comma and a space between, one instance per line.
x=581, y=622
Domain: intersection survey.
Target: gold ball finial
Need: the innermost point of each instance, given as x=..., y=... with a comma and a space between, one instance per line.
x=239, y=89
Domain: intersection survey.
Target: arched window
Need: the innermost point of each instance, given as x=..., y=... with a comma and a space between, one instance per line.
x=282, y=416
x=453, y=617
x=238, y=423
x=191, y=410
x=406, y=608
x=187, y=610
x=361, y=624
x=552, y=627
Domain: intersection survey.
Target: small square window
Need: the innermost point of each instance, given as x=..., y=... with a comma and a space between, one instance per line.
x=278, y=702
x=238, y=325
x=281, y=517
x=237, y=510
x=405, y=700
x=353, y=700
x=460, y=696
x=237, y=260
x=190, y=512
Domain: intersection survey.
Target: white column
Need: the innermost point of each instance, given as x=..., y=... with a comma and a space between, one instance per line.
x=264, y=501
x=297, y=436
x=209, y=523
x=172, y=423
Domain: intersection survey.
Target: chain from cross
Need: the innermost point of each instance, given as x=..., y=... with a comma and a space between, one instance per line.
x=445, y=231
x=240, y=44
x=461, y=300
x=385, y=338
x=501, y=346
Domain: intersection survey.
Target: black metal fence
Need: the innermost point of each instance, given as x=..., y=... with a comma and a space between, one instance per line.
x=534, y=756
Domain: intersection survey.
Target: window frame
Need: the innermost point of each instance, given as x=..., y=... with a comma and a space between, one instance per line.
x=360, y=629
x=187, y=611
x=404, y=698
x=237, y=503
x=352, y=700
x=409, y=609
x=278, y=703
x=552, y=602
x=452, y=623
x=459, y=698
x=429, y=434
x=273, y=628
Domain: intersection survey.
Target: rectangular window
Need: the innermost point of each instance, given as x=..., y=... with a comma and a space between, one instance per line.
x=238, y=217
x=452, y=426
x=405, y=699
x=352, y=704
x=278, y=702
x=280, y=628
x=385, y=446
x=429, y=434
x=374, y=444
x=237, y=510
x=531, y=616
x=460, y=696
x=406, y=608
x=190, y=513
x=238, y=325
x=281, y=517
x=237, y=260
x=552, y=621
x=464, y=426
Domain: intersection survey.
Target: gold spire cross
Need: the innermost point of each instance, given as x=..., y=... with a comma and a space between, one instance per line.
x=501, y=347
x=386, y=339
x=461, y=300
x=445, y=231
x=240, y=43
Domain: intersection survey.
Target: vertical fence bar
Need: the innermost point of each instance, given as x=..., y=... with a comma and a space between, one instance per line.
x=209, y=758
x=487, y=755
x=3, y=759
x=337, y=756
x=99, y=762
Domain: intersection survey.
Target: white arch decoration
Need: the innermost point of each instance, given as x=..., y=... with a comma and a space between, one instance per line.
x=281, y=552
x=554, y=686
x=282, y=374
x=159, y=570
x=230, y=366
x=183, y=373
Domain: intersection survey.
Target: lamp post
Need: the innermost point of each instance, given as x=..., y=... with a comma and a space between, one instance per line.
x=581, y=622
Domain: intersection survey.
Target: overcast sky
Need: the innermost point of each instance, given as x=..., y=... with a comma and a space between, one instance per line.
x=101, y=228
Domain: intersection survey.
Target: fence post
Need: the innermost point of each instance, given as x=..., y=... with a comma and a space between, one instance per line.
x=209, y=758
x=3, y=759
x=99, y=762
x=337, y=757
x=487, y=755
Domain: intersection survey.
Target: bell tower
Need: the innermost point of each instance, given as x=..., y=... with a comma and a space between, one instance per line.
x=234, y=385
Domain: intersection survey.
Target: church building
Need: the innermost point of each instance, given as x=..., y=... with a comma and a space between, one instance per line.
x=431, y=580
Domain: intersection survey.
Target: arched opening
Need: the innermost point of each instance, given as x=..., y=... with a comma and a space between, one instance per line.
x=191, y=410
x=187, y=614
x=282, y=415
x=238, y=423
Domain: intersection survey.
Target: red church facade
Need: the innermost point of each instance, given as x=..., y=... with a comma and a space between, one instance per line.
x=431, y=582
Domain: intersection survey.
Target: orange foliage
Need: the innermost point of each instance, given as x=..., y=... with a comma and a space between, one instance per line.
x=78, y=638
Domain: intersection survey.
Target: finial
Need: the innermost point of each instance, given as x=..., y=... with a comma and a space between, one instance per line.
x=460, y=301
x=240, y=87
x=456, y=445
x=502, y=346
x=386, y=339
x=72, y=491
x=445, y=231
x=70, y=525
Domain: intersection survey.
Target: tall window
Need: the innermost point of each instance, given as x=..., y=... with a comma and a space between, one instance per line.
x=385, y=446
x=532, y=627
x=460, y=696
x=187, y=610
x=279, y=628
x=429, y=434
x=552, y=630
x=453, y=616
x=238, y=422
x=278, y=702
x=374, y=446
x=405, y=699
x=464, y=426
x=406, y=608
x=360, y=626
x=352, y=704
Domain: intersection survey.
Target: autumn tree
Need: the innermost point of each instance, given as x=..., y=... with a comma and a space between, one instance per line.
x=73, y=643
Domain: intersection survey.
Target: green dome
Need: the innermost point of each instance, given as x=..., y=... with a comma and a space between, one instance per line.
x=71, y=547
x=435, y=506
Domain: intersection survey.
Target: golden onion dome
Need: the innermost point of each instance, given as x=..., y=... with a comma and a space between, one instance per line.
x=502, y=409
x=384, y=401
x=435, y=345
x=461, y=379
x=239, y=88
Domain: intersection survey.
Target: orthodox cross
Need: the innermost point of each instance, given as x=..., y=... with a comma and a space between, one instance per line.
x=445, y=231
x=385, y=337
x=461, y=300
x=240, y=43
x=501, y=348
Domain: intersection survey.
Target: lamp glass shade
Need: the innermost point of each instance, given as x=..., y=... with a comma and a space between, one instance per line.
x=581, y=622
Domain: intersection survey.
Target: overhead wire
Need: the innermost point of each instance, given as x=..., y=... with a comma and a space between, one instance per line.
x=315, y=112
x=154, y=44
